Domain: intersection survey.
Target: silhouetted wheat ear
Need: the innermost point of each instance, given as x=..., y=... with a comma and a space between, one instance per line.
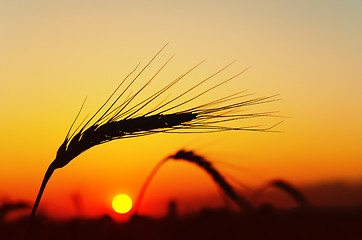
x=292, y=191
x=216, y=176
x=6, y=208
x=204, y=164
x=125, y=119
x=287, y=188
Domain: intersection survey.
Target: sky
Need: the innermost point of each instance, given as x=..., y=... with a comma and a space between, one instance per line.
x=53, y=54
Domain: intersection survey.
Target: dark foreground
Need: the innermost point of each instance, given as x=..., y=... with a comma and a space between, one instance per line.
x=265, y=223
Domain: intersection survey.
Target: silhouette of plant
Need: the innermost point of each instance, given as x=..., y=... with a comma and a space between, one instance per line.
x=286, y=187
x=125, y=119
x=205, y=165
x=6, y=208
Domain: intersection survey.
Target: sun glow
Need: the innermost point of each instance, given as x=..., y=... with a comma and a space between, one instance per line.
x=122, y=203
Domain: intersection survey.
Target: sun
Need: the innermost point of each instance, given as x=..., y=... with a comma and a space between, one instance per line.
x=122, y=203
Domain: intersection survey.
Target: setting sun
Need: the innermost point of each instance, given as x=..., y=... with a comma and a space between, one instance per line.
x=122, y=203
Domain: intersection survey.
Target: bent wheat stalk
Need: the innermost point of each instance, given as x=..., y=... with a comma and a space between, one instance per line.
x=190, y=156
x=125, y=119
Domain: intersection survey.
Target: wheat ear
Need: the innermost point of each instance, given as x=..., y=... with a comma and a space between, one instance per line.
x=216, y=176
x=286, y=187
x=292, y=191
x=125, y=119
x=205, y=165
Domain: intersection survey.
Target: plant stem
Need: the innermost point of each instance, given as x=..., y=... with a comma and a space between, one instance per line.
x=146, y=183
x=46, y=178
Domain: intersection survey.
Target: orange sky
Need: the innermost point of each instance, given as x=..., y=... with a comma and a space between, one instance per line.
x=53, y=55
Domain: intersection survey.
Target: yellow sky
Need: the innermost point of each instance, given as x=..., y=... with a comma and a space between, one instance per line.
x=54, y=54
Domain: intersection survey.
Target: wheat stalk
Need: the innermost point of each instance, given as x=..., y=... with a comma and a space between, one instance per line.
x=125, y=120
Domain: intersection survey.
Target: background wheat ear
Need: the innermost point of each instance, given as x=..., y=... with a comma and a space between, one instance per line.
x=286, y=187
x=292, y=191
x=218, y=178
x=6, y=208
x=206, y=166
